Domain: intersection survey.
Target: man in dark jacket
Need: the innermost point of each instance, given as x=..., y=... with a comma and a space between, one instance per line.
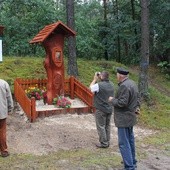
x=102, y=89
x=125, y=103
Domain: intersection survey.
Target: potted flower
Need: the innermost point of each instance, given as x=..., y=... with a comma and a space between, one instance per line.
x=35, y=91
x=62, y=102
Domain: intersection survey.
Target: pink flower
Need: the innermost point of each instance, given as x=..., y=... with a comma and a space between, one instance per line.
x=63, y=102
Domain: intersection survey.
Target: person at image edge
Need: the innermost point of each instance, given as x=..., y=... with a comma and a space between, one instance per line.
x=6, y=106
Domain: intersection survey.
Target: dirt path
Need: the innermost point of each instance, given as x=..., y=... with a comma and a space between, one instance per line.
x=67, y=132
x=156, y=160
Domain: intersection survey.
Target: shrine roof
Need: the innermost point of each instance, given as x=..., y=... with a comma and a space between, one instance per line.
x=57, y=27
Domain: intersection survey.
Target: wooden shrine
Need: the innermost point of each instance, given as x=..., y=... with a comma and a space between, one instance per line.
x=52, y=38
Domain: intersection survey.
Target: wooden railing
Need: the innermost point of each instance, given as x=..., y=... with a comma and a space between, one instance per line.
x=23, y=100
x=28, y=105
x=81, y=91
x=72, y=87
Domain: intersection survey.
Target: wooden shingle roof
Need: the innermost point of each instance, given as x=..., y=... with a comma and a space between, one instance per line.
x=57, y=27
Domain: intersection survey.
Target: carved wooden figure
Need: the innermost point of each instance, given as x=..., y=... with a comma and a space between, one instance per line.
x=52, y=38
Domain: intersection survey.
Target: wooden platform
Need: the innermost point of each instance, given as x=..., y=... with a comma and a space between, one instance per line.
x=77, y=106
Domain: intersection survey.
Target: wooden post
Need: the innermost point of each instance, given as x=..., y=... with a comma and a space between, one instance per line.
x=33, y=110
x=72, y=87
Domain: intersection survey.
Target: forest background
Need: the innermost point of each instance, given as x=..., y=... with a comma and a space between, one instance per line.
x=108, y=30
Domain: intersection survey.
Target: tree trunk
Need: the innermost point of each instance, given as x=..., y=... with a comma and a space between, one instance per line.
x=133, y=17
x=72, y=59
x=105, y=24
x=118, y=37
x=144, y=62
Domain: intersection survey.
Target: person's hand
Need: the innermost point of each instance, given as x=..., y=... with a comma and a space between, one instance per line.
x=10, y=113
x=110, y=99
x=96, y=77
x=137, y=111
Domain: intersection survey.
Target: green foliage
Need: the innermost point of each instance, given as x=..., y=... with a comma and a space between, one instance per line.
x=23, y=19
x=88, y=44
x=118, y=32
x=160, y=28
x=165, y=68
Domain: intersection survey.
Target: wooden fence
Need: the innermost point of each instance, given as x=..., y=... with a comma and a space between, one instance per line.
x=72, y=87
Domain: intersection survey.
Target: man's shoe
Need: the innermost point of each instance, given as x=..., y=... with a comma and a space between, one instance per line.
x=5, y=154
x=101, y=146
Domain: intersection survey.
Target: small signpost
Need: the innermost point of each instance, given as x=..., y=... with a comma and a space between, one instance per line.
x=1, y=33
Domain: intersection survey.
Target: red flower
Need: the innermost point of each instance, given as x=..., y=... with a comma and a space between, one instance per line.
x=44, y=94
x=35, y=91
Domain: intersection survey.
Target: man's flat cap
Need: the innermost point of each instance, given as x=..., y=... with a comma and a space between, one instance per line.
x=122, y=71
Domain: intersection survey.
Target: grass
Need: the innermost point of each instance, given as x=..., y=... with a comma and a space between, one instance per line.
x=21, y=67
x=62, y=160
x=155, y=115
x=160, y=139
x=159, y=77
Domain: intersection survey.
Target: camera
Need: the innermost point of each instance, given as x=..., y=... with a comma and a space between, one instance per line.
x=97, y=73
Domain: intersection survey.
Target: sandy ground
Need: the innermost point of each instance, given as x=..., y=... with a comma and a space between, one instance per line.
x=70, y=131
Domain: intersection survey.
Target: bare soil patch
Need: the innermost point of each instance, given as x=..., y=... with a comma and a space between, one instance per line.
x=69, y=131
